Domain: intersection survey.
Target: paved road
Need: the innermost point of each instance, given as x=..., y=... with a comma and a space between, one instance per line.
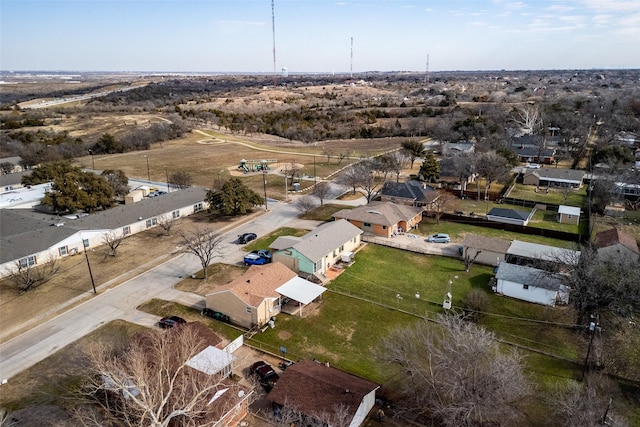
x=45, y=339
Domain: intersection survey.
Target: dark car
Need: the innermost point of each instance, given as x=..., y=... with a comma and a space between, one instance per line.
x=265, y=374
x=215, y=315
x=246, y=238
x=171, y=321
x=254, y=259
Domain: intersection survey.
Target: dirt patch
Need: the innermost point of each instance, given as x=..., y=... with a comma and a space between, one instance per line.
x=284, y=335
x=218, y=274
x=346, y=332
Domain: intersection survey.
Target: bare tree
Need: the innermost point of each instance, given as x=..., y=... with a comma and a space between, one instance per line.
x=455, y=373
x=305, y=204
x=167, y=222
x=27, y=276
x=150, y=383
x=113, y=240
x=342, y=155
x=180, y=180
x=350, y=177
x=328, y=152
x=321, y=190
x=440, y=204
x=585, y=404
x=203, y=243
x=369, y=181
x=529, y=117
x=493, y=167
x=287, y=415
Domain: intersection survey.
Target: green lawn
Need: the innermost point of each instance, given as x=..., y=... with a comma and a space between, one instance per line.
x=458, y=230
x=264, y=242
x=554, y=196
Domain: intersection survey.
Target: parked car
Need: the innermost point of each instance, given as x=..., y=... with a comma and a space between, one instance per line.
x=254, y=259
x=263, y=253
x=171, y=321
x=439, y=238
x=534, y=165
x=265, y=374
x=246, y=238
x=215, y=315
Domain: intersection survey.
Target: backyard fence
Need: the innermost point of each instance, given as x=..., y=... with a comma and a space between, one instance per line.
x=533, y=231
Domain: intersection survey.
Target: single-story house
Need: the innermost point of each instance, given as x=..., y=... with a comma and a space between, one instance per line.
x=531, y=284
x=614, y=243
x=450, y=149
x=324, y=393
x=534, y=154
x=569, y=214
x=411, y=193
x=31, y=238
x=382, y=218
x=255, y=297
x=317, y=250
x=449, y=177
x=553, y=177
x=485, y=250
x=510, y=216
x=535, y=254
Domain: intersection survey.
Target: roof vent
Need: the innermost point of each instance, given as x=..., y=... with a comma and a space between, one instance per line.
x=375, y=212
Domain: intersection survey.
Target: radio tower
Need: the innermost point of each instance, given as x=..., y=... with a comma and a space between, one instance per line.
x=273, y=28
x=426, y=74
x=351, y=72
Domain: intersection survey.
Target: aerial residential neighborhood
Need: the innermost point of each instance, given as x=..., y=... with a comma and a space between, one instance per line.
x=291, y=277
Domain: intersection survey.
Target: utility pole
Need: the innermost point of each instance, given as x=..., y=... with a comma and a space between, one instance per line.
x=264, y=180
x=148, y=173
x=166, y=172
x=315, y=178
x=93, y=164
x=85, y=243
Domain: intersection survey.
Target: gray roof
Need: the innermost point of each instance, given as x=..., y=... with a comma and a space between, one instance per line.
x=559, y=175
x=25, y=232
x=382, y=213
x=492, y=244
x=509, y=213
x=412, y=190
x=322, y=240
x=284, y=242
x=529, y=276
x=543, y=252
x=533, y=151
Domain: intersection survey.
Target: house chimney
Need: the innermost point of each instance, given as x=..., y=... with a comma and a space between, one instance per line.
x=424, y=185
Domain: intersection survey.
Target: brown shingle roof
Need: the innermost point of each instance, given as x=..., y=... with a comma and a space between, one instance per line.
x=382, y=213
x=313, y=388
x=614, y=236
x=259, y=282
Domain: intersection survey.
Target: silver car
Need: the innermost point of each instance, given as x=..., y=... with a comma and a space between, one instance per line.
x=439, y=238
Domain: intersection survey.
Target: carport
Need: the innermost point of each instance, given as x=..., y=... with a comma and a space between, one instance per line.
x=300, y=290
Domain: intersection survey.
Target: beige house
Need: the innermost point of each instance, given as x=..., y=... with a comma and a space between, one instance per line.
x=251, y=299
x=383, y=218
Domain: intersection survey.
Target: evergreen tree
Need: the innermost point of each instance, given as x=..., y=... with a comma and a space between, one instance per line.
x=430, y=169
x=234, y=198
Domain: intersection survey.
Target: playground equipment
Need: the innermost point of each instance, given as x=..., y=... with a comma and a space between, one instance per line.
x=256, y=165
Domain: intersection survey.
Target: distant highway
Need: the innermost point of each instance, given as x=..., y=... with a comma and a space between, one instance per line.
x=31, y=105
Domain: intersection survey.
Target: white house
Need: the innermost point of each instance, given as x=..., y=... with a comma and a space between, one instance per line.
x=31, y=238
x=530, y=284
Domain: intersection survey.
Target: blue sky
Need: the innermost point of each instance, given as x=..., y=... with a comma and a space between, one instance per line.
x=315, y=35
